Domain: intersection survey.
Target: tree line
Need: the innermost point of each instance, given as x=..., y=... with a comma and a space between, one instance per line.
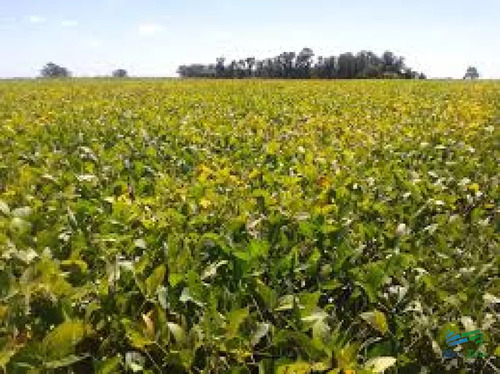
x=364, y=64
x=302, y=65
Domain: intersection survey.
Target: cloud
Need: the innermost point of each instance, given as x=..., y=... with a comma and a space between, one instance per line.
x=7, y=20
x=7, y=23
x=69, y=23
x=36, y=19
x=148, y=29
x=92, y=43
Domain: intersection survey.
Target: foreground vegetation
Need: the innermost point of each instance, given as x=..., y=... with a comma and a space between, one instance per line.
x=255, y=226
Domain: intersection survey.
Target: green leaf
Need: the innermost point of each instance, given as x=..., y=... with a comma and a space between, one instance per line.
x=234, y=319
x=308, y=303
x=243, y=255
x=211, y=270
x=109, y=366
x=175, y=278
x=346, y=356
x=267, y=294
x=258, y=248
x=186, y=296
x=442, y=332
x=286, y=302
x=321, y=331
x=155, y=280
x=371, y=277
x=177, y=331
x=63, y=362
x=74, y=265
x=136, y=335
x=162, y=293
x=316, y=316
x=377, y=320
x=20, y=225
x=5, y=356
x=260, y=332
x=399, y=263
x=313, y=349
x=61, y=341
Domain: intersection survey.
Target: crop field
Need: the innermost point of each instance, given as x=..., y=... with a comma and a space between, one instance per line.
x=289, y=227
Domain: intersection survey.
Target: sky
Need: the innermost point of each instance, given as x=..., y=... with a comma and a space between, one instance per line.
x=153, y=37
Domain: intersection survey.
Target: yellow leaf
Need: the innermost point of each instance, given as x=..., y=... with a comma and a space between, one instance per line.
x=380, y=364
x=205, y=203
x=320, y=366
x=150, y=327
x=497, y=351
x=205, y=172
x=474, y=187
x=295, y=368
x=254, y=173
x=346, y=357
x=234, y=179
x=3, y=311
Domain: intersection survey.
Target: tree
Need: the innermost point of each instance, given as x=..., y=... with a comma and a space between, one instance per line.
x=197, y=71
x=289, y=65
x=393, y=63
x=289, y=58
x=219, y=67
x=303, y=63
x=120, y=73
x=347, y=66
x=241, y=68
x=52, y=70
x=471, y=73
x=250, y=63
x=232, y=69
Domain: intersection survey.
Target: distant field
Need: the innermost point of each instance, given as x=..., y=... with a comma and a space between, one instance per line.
x=248, y=226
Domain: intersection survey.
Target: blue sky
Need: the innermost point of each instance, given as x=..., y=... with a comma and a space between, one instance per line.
x=153, y=37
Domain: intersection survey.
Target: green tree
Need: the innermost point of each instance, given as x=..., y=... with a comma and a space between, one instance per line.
x=303, y=63
x=347, y=66
x=120, y=73
x=250, y=64
x=471, y=73
x=241, y=68
x=219, y=67
x=287, y=65
x=52, y=70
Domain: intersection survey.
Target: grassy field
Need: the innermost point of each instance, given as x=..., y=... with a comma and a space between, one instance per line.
x=248, y=226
